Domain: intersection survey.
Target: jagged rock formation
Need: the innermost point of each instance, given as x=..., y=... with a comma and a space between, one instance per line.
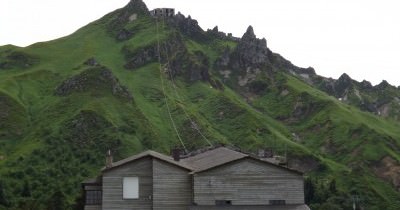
x=188, y=27
x=217, y=34
x=250, y=52
x=382, y=99
x=246, y=61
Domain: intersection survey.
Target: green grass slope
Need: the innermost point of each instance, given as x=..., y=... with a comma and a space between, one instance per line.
x=61, y=110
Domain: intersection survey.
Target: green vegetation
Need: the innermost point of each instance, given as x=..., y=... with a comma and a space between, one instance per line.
x=58, y=116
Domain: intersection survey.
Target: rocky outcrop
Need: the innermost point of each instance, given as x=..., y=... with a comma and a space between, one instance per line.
x=167, y=50
x=247, y=61
x=136, y=9
x=142, y=57
x=342, y=85
x=94, y=80
x=15, y=59
x=215, y=33
x=91, y=62
x=124, y=34
x=382, y=86
x=389, y=170
x=188, y=27
x=250, y=51
x=199, y=67
x=175, y=58
x=82, y=131
x=135, y=6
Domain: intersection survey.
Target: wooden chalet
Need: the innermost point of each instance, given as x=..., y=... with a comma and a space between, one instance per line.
x=219, y=178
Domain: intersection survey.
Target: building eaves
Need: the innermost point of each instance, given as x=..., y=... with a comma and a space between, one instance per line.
x=148, y=153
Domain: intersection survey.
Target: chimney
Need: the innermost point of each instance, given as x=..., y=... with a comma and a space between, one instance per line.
x=176, y=154
x=109, y=159
x=269, y=153
x=261, y=153
x=265, y=153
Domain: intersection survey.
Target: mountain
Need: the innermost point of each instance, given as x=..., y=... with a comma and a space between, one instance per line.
x=129, y=82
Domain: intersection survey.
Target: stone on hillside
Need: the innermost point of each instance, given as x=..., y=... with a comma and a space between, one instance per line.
x=144, y=56
x=124, y=34
x=91, y=62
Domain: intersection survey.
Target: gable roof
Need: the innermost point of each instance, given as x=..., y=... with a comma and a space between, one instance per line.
x=148, y=153
x=252, y=158
x=213, y=158
x=201, y=162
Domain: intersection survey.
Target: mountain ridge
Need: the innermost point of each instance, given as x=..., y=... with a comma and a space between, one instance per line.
x=103, y=88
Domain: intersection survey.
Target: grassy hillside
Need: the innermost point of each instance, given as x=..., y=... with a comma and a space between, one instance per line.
x=64, y=103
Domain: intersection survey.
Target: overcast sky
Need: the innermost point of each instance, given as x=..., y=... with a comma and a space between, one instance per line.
x=359, y=37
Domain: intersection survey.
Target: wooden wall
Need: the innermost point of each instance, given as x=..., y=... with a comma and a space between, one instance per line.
x=92, y=207
x=248, y=182
x=172, y=187
x=112, y=186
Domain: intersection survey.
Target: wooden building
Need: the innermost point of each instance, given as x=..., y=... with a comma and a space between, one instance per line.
x=163, y=12
x=218, y=178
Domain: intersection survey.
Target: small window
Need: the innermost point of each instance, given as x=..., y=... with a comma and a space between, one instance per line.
x=93, y=197
x=130, y=187
x=223, y=202
x=277, y=202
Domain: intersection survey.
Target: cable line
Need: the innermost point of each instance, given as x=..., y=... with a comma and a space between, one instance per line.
x=163, y=89
x=181, y=98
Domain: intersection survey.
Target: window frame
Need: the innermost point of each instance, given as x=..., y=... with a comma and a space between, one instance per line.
x=137, y=185
x=95, y=199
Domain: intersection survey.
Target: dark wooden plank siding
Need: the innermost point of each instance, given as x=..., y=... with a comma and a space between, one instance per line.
x=92, y=187
x=113, y=191
x=266, y=207
x=171, y=187
x=248, y=182
x=92, y=207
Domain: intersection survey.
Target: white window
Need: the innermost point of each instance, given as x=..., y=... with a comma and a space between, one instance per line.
x=130, y=187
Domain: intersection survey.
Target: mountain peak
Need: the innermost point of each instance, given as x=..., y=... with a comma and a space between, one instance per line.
x=345, y=78
x=249, y=33
x=137, y=6
x=384, y=84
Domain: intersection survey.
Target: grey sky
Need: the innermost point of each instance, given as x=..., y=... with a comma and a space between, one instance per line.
x=359, y=37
